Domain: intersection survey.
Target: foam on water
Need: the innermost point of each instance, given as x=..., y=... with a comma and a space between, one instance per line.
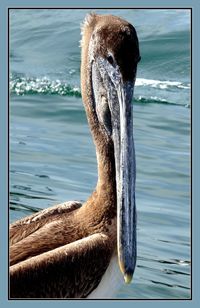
x=166, y=84
x=44, y=85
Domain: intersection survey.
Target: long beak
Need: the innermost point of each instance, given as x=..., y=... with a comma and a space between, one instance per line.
x=120, y=104
x=125, y=178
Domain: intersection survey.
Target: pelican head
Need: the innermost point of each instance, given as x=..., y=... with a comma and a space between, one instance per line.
x=110, y=53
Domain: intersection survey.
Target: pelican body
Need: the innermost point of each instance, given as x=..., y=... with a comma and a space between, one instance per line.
x=71, y=250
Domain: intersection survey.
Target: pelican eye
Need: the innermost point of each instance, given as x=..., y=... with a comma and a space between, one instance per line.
x=110, y=59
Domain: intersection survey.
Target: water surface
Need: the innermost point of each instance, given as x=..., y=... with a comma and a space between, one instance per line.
x=52, y=156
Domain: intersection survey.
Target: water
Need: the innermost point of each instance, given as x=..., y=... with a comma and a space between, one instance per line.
x=52, y=157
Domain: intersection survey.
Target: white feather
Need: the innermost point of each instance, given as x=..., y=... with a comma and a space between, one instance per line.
x=110, y=283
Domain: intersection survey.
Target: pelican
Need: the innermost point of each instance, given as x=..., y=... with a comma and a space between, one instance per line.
x=75, y=250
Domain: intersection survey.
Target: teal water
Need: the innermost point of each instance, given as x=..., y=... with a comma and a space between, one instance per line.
x=52, y=157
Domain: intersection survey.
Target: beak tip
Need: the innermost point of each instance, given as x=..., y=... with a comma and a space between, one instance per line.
x=128, y=278
x=128, y=274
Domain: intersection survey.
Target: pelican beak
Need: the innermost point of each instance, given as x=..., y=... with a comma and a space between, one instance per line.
x=120, y=103
x=120, y=94
x=125, y=179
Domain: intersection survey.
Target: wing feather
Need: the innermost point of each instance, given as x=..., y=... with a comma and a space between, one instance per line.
x=70, y=271
x=26, y=226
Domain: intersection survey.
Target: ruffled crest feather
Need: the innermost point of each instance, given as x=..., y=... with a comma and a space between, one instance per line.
x=86, y=23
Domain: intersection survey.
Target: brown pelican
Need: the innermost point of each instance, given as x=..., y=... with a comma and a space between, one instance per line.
x=70, y=250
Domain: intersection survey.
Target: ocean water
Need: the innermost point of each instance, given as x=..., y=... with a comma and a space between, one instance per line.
x=52, y=156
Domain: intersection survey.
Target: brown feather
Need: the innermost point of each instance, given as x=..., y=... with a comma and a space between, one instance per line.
x=76, y=269
x=64, y=251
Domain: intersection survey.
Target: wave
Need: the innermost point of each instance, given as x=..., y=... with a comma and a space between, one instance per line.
x=161, y=84
x=153, y=100
x=29, y=86
x=22, y=86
